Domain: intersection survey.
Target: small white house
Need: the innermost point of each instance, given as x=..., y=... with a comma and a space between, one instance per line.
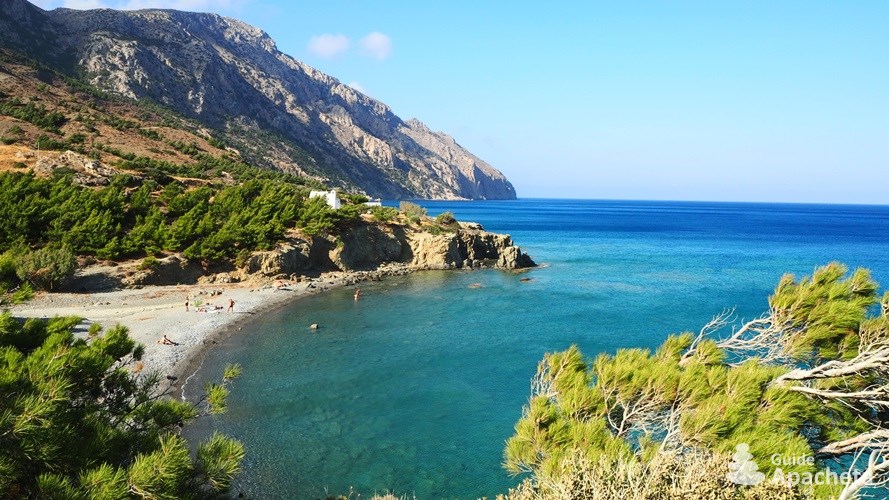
x=373, y=203
x=330, y=197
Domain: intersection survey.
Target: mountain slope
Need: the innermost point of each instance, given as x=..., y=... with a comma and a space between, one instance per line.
x=276, y=110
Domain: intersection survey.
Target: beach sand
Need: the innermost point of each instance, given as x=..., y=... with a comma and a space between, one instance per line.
x=154, y=311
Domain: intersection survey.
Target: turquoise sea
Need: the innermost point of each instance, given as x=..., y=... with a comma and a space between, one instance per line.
x=415, y=388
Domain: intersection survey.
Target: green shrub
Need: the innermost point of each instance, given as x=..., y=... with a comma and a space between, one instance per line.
x=446, y=218
x=149, y=262
x=242, y=257
x=349, y=213
x=216, y=143
x=48, y=143
x=47, y=267
x=7, y=265
x=77, y=138
x=150, y=133
x=384, y=214
x=412, y=211
x=33, y=113
x=316, y=217
x=354, y=199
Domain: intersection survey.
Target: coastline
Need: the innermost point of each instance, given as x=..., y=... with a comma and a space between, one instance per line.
x=151, y=312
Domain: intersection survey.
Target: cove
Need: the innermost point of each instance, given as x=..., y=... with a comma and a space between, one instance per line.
x=415, y=388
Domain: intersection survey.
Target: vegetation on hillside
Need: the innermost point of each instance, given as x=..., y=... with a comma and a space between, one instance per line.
x=131, y=218
x=12, y=289
x=68, y=113
x=808, y=381
x=78, y=420
x=180, y=188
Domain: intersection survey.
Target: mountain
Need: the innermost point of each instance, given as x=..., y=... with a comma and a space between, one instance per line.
x=276, y=111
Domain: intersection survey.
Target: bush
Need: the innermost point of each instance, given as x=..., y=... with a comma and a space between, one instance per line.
x=148, y=263
x=384, y=214
x=446, y=219
x=46, y=142
x=216, y=143
x=77, y=138
x=46, y=268
x=150, y=133
x=354, y=199
x=12, y=291
x=414, y=212
x=316, y=217
x=349, y=213
x=33, y=113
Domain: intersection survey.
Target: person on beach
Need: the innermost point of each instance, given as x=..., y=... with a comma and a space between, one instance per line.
x=231, y=305
x=166, y=341
x=186, y=304
x=357, y=294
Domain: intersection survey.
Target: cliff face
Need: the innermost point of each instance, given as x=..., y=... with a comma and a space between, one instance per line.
x=367, y=246
x=231, y=77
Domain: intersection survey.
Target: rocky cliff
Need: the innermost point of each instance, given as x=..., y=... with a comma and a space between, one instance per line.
x=376, y=248
x=369, y=245
x=276, y=110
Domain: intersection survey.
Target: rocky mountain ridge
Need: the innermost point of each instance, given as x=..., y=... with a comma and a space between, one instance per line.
x=279, y=112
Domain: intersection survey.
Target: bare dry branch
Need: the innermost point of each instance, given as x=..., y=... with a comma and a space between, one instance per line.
x=876, y=439
x=873, y=475
x=866, y=362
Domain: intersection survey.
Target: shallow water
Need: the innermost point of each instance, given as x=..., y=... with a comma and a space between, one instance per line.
x=416, y=387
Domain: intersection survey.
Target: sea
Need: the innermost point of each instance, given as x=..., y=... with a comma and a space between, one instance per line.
x=415, y=388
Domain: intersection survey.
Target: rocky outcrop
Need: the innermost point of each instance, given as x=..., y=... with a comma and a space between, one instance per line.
x=368, y=251
x=230, y=76
x=172, y=270
x=293, y=257
x=367, y=246
x=86, y=172
x=466, y=249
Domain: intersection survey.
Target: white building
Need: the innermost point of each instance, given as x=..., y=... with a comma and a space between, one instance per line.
x=333, y=201
x=374, y=203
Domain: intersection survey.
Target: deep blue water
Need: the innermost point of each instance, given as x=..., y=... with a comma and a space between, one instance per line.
x=416, y=387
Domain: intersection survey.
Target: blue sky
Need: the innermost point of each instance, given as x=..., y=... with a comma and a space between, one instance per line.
x=750, y=101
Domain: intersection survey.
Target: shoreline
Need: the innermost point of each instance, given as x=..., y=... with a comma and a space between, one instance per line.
x=151, y=312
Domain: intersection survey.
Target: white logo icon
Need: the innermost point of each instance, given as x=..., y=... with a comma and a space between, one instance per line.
x=743, y=470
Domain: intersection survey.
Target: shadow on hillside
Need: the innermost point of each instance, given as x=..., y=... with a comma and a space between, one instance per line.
x=92, y=283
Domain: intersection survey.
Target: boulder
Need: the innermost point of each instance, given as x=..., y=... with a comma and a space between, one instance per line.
x=367, y=246
x=293, y=257
x=87, y=172
x=172, y=270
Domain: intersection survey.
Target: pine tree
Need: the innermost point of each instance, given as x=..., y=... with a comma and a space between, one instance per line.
x=809, y=378
x=76, y=422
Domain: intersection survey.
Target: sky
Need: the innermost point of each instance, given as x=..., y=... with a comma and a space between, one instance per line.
x=661, y=100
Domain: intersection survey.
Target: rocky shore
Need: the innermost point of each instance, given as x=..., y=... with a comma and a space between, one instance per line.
x=150, y=300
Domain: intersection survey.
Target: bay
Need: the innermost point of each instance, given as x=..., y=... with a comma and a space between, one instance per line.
x=415, y=388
